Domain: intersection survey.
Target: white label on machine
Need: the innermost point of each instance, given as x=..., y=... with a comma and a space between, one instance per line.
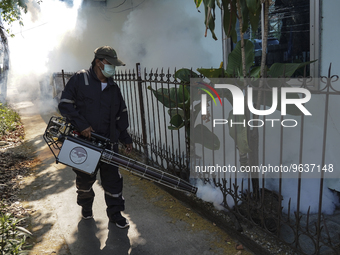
x=79, y=156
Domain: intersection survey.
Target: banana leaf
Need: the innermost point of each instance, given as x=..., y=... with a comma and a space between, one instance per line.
x=184, y=74
x=234, y=67
x=254, y=7
x=229, y=19
x=286, y=69
x=239, y=132
x=204, y=136
x=169, y=97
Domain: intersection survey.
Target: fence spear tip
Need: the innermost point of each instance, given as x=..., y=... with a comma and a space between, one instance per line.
x=329, y=70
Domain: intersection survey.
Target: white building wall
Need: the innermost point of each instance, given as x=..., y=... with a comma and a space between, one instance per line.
x=330, y=36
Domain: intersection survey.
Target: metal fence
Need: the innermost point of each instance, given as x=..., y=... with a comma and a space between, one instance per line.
x=308, y=230
x=149, y=120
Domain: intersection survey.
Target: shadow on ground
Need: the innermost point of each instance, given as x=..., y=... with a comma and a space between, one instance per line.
x=117, y=241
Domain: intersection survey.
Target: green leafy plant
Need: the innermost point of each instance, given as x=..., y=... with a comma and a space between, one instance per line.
x=177, y=100
x=245, y=13
x=235, y=69
x=12, y=236
x=9, y=119
x=250, y=11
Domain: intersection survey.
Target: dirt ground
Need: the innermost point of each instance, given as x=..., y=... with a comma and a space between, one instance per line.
x=15, y=163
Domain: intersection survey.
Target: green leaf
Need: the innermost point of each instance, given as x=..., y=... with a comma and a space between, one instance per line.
x=282, y=69
x=171, y=98
x=211, y=72
x=255, y=72
x=235, y=58
x=198, y=3
x=253, y=6
x=163, y=95
x=239, y=133
x=226, y=19
x=183, y=94
x=185, y=74
x=204, y=136
x=210, y=16
x=254, y=20
x=11, y=11
x=229, y=19
x=219, y=4
x=177, y=121
x=234, y=36
x=287, y=69
x=245, y=15
x=176, y=111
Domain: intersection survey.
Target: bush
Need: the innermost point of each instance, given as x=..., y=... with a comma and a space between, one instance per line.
x=9, y=119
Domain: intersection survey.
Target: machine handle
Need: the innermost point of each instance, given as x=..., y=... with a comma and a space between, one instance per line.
x=99, y=137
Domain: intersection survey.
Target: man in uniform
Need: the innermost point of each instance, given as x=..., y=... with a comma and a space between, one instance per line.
x=92, y=102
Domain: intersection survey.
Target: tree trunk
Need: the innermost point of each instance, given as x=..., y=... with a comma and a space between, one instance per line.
x=243, y=53
x=266, y=4
x=254, y=133
x=244, y=160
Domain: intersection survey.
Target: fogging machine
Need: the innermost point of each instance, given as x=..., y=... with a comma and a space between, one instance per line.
x=71, y=149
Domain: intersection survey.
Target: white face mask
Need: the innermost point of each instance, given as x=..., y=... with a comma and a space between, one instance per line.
x=109, y=70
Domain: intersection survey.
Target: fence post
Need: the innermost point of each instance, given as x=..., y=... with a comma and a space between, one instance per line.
x=142, y=112
x=63, y=75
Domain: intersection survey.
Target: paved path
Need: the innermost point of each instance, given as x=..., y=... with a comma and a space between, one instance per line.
x=160, y=224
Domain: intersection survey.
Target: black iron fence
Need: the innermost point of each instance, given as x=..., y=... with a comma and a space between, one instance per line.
x=304, y=214
x=311, y=231
x=149, y=120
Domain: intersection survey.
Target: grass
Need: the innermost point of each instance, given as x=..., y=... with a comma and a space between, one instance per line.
x=9, y=119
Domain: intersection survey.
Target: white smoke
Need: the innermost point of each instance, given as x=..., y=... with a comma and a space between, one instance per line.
x=167, y=34
x=209, y=193
x=45, y=26
x=309, y=195
x=62, y=35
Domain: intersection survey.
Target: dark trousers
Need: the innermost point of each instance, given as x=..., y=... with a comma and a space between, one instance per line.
x=112, y=183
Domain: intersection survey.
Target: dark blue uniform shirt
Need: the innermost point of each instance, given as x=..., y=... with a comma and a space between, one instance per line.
x=85, y=104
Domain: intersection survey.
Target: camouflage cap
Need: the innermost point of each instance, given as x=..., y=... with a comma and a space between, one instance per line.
x=109, y=54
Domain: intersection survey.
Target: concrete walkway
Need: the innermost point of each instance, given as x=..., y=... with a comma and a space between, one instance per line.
x=160, y=224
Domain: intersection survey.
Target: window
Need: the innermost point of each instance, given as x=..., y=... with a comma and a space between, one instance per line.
x=293, y=35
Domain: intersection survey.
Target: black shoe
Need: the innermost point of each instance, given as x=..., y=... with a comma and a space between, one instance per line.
x=86, y=214
x=119, y=220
